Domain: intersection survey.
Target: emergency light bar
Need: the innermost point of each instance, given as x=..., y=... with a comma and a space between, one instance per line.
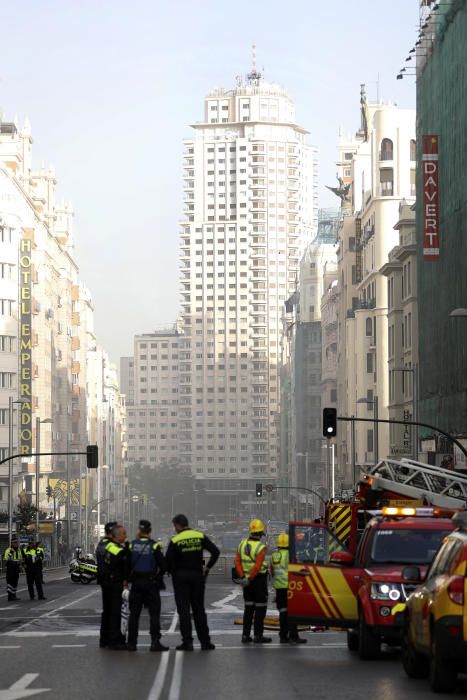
x=410, y=511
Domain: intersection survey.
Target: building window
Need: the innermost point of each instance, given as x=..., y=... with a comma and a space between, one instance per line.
x=412, y=182
x=369, y=326
x=386, y=178
x=369, y=362
x=413, y=149
x=369, y=441
x=387, y=150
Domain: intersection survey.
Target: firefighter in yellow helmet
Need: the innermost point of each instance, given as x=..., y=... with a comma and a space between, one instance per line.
x=252, y=570
x=279, y=565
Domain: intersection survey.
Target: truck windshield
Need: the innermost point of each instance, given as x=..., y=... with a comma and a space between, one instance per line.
x=405, y=546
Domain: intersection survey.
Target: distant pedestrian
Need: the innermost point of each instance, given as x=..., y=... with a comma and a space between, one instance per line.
x=14, y=559
x=113, y=580
x=147, y=567
x=33, y=555
x=185, y=563
x=252, y=570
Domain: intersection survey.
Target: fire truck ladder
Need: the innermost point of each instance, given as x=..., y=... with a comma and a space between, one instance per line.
x=434, y=485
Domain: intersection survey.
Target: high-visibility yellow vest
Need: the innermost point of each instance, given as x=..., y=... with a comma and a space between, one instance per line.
x=249, y=550
x=12, y=554
x=279, y=566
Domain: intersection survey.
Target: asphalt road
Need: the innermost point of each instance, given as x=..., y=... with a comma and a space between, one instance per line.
x=49, y=649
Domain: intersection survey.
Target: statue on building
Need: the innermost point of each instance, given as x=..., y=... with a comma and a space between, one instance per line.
x=342, y=191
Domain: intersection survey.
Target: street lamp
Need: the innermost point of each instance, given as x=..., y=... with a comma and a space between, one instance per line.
x=11, y=401
x=38, y=469
x=373, y=402
x=458, y=313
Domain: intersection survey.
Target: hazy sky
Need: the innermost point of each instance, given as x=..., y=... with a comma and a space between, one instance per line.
x=111, y=86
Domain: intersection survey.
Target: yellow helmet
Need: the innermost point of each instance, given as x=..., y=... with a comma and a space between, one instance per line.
x=283, y=540
x=256, y=526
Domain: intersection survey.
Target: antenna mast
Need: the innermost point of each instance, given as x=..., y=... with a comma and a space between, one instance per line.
x=254, y=77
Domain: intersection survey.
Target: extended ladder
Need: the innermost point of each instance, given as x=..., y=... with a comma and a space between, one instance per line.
x=434, y=485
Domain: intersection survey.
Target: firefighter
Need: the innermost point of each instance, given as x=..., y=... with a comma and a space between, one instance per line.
x=147, y=567
x=114, y=575
x=33, y=556
x=14, y=559
x=185, y=563
x=251, y=567
x=279, y=565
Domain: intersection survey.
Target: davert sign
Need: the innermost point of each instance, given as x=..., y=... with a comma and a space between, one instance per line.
x=25, y=316
x=430, y=202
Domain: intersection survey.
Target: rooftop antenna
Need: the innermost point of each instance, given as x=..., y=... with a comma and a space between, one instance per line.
x=254, y=77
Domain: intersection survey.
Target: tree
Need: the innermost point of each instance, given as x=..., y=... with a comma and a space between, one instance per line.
x=25, y=517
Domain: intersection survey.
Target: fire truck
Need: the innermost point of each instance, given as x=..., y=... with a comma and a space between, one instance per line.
x=347, y=571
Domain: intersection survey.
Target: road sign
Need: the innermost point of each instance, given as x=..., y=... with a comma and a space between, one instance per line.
x=73, y=516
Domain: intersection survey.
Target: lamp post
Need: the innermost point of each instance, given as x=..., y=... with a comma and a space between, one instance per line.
x=11, y=402
x=373, y=402
x=305, y=454
x=38, y=469
x=458, y=313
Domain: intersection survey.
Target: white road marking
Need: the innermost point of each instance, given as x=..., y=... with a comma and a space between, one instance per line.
x=176, y=685
x=10, y=646
x=10, y=607
x=67, y=646
x=173, y=624
x=50, y=613
x=20, y=689
x=223, y=604
x=159, y=680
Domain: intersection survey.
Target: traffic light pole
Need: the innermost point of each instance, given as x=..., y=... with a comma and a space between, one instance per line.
x=405, y=422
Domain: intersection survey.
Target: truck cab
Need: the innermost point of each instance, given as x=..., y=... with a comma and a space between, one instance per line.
x=331, y=587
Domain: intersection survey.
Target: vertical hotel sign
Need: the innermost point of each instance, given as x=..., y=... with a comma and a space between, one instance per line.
x=430, y=170
x=25, y=315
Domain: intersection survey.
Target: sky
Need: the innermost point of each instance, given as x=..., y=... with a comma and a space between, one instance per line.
x=110, y=88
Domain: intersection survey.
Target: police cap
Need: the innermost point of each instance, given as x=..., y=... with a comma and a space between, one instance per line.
x=144, y=526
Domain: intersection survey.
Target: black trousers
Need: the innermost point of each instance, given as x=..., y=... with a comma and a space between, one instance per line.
x=189, y=596
x=12, y=578
x=110, y=634
x=144, y=591
x=34, y=578
x=285, y=629
x=255, y=596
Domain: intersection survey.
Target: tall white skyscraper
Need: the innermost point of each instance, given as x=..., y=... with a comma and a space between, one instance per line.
x=250, y=183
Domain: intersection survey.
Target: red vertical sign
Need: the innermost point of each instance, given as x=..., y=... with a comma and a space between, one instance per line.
x=430, y=197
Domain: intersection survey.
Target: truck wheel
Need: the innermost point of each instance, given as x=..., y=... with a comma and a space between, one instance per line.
x=443, y=674
x=352, y=640
x=368, y=642
x=415, y=665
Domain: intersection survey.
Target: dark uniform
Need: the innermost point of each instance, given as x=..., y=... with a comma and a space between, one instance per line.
x=185, y=562
x=14, y=558
x=147, y=567
x=33, y=556
x=114, y=572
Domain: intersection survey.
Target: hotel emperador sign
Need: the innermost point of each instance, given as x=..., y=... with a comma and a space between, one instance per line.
x=25, y=316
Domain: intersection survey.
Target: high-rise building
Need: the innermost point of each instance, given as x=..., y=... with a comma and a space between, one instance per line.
x=250, y=209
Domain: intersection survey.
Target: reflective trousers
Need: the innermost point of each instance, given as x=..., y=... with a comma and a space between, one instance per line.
x=12, y=578
x=255, y=596
x=144, y=591
x=110, y=634
x=189, y=596
x=285, y=630
x=34, y=578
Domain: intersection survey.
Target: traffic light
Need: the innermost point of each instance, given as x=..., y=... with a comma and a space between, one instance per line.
x=92, y=456
x=48, y=490
x=259, y=490
x=329, y=422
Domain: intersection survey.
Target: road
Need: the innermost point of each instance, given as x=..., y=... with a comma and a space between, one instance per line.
x=51, y=647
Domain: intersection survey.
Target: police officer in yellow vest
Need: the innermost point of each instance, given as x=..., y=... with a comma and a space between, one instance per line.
x=184, y=561
x=279, y=565
x=14, y=559
x=252, y=570
x=33, y=555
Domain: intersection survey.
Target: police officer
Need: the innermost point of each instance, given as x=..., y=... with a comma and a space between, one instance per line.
x=185, y=563
x=113, y=580
x=147, y=567
x=33, y=556
x=100, y=551
x=14, y=559
x=251, y=567
x=279, y=565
